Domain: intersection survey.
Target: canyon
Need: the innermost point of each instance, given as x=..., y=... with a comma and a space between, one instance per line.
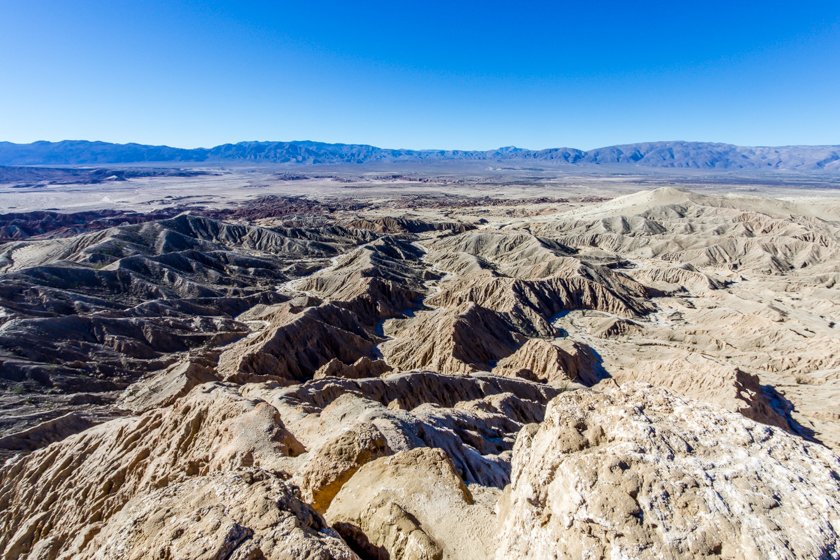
x=252, y=363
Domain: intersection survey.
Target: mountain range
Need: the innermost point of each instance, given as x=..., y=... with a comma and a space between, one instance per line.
x=676, y=154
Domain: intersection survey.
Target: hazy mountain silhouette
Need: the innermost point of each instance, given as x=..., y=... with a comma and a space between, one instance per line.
x=697, y=155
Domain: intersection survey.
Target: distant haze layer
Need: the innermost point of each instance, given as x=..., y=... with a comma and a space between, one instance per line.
x=687, y=155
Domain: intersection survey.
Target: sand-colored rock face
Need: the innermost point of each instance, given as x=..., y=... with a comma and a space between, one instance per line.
x=168, y=479
x=360, y=369
x=296, y=344
x=465, y=339
x=556, y=363
x=637, y=472
x=337, y=460
x=413, y=506
x=75, y=485
x=243, y=516
x=473, y=418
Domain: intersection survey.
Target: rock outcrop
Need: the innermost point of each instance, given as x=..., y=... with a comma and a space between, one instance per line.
x=554, y=362
x=337, y=460
x=240, y=517
x=361, y=368
x=72, y=488
x=461, y=340
x=638, y=472
x=296, y=343
x=412, y=505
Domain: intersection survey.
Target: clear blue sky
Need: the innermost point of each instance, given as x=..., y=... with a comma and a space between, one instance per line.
x=421, y=74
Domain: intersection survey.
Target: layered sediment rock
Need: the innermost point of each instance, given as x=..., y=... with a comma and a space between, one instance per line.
x=73, y=487
x=552, y=362
x=465, y=339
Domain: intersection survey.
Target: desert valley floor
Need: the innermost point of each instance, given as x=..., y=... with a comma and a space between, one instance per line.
x=261, y=365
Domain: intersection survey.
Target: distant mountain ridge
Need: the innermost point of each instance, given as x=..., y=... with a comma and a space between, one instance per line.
x=678, y=154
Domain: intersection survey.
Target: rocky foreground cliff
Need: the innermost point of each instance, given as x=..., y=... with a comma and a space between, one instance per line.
x=654, y=376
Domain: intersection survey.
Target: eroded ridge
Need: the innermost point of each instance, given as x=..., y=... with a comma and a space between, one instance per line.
x=654, y=375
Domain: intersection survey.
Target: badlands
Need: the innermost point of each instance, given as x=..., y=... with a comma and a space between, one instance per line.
x=259, y=365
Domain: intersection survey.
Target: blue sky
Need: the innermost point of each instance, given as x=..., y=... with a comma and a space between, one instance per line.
x=472, y=75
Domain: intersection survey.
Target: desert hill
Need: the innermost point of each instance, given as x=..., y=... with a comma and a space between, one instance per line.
x=648, y=375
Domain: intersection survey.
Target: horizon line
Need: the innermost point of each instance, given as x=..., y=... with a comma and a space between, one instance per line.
x=211, y=147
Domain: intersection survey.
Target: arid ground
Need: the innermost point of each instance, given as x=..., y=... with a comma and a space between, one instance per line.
x=269, y=362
